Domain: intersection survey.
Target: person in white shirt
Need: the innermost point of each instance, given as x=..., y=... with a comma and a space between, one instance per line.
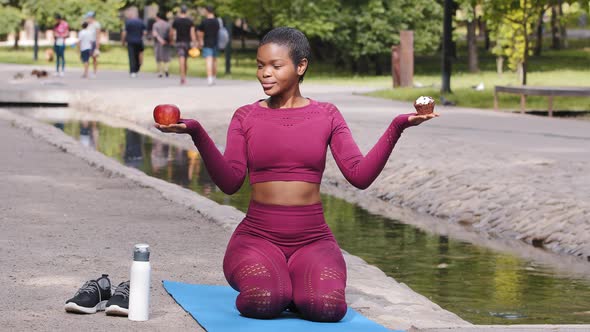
x=85, y=46
x=94, y=28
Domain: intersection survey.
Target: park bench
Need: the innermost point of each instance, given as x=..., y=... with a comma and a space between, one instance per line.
x=548, y=91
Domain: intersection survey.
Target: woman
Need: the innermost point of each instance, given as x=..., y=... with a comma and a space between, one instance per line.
x=61, y=31
x=283, y=255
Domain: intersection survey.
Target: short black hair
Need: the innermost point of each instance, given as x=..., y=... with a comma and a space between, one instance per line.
x=84, y=25
x=294, y=39
x=210, y=9
x=161, y=15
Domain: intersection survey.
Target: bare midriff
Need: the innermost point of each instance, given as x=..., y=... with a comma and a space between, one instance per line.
x=289, y=193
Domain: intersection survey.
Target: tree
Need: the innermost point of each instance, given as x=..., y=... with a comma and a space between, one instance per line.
x=512, y=22
x=468, y=8
x=447, y=42
x=107, y=11
x=11, y=18
x=539, y=42
x=349, y=31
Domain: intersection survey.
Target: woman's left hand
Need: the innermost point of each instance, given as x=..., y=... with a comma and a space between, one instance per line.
x=418, y=119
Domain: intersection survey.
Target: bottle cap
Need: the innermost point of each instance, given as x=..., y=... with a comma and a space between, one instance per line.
x=141, y=253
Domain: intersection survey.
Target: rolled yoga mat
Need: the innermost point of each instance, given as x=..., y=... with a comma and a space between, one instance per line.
x=213, y=307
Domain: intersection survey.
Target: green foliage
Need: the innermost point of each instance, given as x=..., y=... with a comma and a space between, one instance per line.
x=511, y=23
x=316, y=19
x=11, y=18
x=73, y=11
x=343, y=30
x=425, y=18
x=347, y=30
x=468, y=9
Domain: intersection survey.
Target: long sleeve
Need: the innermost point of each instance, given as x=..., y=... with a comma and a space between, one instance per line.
x=227, y=170
x=358, y=170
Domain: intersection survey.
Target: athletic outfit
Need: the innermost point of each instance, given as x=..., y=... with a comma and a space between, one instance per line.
x=283, y=254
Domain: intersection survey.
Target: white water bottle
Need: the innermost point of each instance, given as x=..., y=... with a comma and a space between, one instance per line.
x=139, y=288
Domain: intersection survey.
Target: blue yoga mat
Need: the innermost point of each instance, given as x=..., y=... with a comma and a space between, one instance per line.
x=213, y=307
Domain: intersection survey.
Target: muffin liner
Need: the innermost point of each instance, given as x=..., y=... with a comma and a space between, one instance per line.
x=423, y=109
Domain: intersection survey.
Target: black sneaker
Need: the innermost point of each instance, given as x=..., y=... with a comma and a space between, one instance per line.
x=91, y=297
x=118, y=305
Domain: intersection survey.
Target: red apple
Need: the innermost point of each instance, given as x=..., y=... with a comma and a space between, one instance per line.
x=166, y=114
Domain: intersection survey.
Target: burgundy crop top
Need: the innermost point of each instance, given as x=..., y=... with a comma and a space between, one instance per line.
x=290, y=144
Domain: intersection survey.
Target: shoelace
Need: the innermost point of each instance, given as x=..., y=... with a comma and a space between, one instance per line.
x=122, y=289
x=89, y=287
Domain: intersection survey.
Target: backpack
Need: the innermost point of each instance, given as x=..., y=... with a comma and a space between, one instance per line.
x=222, y=35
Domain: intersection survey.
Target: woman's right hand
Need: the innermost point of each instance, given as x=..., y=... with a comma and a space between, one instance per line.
x=179, y=128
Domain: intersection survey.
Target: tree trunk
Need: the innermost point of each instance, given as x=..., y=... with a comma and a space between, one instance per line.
x=486, y=36
x=539, y=44
x=526, y=46
x=16, y=38
x=555, y=36
x=480, y=27
x=447, y=47
x=472, y=47
x=242, y=34
x=562, y=29
x=500, y=65
x=378, y=66
x=520, y=72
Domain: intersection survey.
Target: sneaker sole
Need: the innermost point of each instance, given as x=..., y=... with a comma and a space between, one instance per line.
x=115, y=310
x=73, y=307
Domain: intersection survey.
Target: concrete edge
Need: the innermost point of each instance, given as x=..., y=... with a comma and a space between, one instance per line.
x=369, y=290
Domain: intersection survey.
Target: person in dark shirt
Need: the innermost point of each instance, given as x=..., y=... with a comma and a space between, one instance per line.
x=183, y=34
x=133, y=36
x=207, y=34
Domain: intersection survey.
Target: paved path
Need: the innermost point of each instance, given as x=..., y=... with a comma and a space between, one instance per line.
x=519, y=177
x=64, y=222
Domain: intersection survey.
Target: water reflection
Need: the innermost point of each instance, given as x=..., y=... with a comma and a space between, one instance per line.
x=478, y=284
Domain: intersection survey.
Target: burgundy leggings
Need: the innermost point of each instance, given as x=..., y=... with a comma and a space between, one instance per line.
x=282, y=255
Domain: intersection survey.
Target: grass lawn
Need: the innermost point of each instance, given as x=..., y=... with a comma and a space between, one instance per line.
x=243, y=65
x=554, y=68
x=115, y=58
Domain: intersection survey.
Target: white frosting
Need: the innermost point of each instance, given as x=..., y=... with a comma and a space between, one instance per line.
x=423, y=100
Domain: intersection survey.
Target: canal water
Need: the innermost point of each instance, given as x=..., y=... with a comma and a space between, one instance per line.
x=480, y=285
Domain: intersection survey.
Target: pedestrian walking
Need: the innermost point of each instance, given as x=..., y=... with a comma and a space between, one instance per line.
x=207, y=36
x=184, y=36
x=61, y=31
x=161, y=34
x=95, y=28
x=133, y=36
x=85, y=47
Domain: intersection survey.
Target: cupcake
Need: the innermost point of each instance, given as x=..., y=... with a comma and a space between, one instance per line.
x=424, y=105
